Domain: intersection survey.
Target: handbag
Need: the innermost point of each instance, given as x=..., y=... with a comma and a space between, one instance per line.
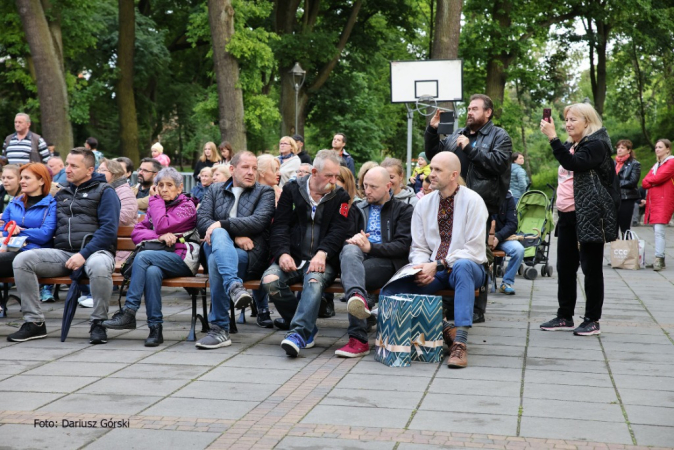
x=625, y=253
x=127, y=266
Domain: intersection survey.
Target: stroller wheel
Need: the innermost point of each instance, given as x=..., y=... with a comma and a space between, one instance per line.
x=548, y=271
x=544, y=270
x=520, y=271
x=530, y=273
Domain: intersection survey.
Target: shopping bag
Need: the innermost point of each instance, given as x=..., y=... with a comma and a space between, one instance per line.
x=394, y=328
x=629, y=234
x=426, y=331
x=625, y=254
x=409, y=328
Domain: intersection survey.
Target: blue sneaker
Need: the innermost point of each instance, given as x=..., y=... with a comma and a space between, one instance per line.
x=46, y=293
x=292, y=344
x=310, y=343
x=506, y=289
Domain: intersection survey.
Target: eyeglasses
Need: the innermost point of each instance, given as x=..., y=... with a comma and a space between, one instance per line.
x=103, y=171
x=147, y=171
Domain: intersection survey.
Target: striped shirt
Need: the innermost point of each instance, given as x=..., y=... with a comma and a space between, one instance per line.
x=18, y=151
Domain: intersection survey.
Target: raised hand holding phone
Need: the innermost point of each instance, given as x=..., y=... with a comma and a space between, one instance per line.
x=547, y=114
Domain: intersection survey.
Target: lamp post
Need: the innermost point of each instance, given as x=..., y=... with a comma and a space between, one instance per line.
x=298, y=81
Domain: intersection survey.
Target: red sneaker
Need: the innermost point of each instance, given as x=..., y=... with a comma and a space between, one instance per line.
x=357, y=307
x=354, y=349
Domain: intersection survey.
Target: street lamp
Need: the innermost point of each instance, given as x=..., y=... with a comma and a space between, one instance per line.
x=298, y=81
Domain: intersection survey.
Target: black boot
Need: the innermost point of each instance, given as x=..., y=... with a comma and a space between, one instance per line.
x=124, y=321
x=155, y=338
x=281, y=324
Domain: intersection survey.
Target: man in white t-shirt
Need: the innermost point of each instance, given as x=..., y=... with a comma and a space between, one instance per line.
x=234, y=219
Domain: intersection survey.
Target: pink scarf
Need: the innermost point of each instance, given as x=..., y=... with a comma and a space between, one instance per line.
x=620, y=161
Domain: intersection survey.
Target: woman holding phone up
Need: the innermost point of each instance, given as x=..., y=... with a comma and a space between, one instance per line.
x=587, y=200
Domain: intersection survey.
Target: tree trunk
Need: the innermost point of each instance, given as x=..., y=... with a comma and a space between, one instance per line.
x=447, y=31
x=50, y=77
x=230, y=96
x=603, y=30
x=640, y=86
x=499, y=62
x=126, y=101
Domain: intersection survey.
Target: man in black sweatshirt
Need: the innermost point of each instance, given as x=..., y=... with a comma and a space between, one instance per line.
x=307, y=235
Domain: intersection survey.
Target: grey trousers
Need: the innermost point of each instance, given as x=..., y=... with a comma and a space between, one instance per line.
x=50, y=262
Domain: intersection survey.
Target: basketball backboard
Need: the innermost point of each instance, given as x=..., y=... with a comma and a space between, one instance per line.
x=438, y=79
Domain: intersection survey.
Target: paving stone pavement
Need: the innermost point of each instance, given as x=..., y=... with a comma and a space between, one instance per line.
x=524, y=388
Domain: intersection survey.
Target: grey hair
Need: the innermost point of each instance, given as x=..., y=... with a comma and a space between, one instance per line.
x=114, y=167
x=325, y=155
x=169, y=172
x=23, y=114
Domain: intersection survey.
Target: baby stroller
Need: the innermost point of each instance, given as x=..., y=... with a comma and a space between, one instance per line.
x=535, y=223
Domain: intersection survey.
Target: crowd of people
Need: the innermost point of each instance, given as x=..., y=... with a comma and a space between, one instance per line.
x=289, y=219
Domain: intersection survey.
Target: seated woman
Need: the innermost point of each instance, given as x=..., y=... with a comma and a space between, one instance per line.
x=205, y=180
x=269, y=173
x=115, y=175
x=34, y=212
x=171, y=220
x=220, y=173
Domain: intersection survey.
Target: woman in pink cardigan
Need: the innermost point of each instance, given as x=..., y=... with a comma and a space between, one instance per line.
x=115, y=175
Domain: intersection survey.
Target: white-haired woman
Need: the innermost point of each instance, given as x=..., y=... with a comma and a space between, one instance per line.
x=158, y=153
x=171, y=220
x=588, y=213
x=290, y=162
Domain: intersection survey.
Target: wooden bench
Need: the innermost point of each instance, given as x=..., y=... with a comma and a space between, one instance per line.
x=195, y=286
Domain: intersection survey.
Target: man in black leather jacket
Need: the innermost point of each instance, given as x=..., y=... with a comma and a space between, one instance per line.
x=483, y=149
x=234, y=219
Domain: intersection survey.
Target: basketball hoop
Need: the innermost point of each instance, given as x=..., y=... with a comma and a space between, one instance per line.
x=423, y=103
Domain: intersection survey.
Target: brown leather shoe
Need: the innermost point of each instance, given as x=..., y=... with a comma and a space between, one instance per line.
x=458, y=356
x=448, y=332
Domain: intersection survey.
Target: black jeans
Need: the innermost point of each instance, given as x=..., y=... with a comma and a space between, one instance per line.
x=589, y=257
x=625, y=214
x=6, y=269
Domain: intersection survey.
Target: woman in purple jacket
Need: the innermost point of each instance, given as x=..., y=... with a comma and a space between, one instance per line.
x=171, y=220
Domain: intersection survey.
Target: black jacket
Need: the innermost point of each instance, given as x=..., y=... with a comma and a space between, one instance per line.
x=506, y=219
x=488, y=161
x=396, y=229
x=253, y=216
x=595, y=186
x=292, y=223
x=304, y=157
x=629, y=176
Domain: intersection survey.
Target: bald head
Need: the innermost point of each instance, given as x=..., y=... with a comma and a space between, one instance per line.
x=377, y=184
x=445, y=169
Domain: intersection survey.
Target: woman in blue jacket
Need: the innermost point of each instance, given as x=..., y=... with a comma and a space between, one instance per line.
x=34, y=212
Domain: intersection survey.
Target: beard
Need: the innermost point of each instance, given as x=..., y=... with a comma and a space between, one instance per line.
x=329, y=187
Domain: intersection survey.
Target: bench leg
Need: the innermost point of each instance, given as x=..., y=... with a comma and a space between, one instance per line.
x=192, y=336
x=205, y=328
x=242, y=316
x=3, y=300
x=232, y=319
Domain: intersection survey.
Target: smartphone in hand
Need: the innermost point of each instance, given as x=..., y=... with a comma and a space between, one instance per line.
x=547, y=114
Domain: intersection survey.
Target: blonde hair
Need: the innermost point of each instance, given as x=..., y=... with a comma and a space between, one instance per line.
x=215, y=154
x=157, y=146
x=114, y=167
x=361, y=176
x=589, y=114
x=222, y=168
x=293, y=144
x=265, y=161
x=346, y=178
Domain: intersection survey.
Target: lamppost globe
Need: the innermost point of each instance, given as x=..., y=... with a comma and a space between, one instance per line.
x=298, y=81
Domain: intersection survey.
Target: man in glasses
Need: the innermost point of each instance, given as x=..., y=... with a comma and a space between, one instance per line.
x=144, y=189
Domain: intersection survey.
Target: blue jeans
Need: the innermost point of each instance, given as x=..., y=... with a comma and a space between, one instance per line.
x=300, y=314
x=149, y=269
x=465, y=277
x=515, y=251
x=227, y=264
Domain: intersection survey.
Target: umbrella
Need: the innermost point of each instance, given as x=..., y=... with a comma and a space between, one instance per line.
x=71, y=302
x=73, y=294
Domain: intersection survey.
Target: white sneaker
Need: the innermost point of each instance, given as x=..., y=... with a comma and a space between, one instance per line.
x=86, y=301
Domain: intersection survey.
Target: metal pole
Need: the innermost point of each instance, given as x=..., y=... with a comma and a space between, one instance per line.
x=297, y=91
x=410, y=119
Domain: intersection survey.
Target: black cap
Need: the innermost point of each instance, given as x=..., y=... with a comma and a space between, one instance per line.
x=298, y=137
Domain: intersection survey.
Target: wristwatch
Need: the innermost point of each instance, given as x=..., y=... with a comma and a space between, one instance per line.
x=440, y=266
